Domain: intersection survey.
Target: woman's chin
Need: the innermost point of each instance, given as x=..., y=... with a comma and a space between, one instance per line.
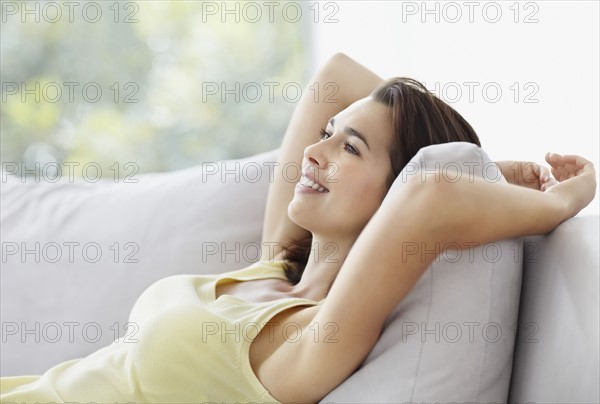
x=305, y=217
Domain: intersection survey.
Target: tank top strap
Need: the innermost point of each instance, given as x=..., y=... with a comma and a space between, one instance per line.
x=258, y=270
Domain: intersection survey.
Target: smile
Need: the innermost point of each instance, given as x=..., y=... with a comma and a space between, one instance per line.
x=308, y=180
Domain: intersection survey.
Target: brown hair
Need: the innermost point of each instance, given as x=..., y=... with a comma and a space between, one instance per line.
x=419, y=119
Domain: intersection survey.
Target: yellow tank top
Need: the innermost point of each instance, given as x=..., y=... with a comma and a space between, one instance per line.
x=191, y=348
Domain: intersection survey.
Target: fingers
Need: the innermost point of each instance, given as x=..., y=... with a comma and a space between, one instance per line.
x=571, y=159
x=548, y=184
x=544, y=174
x=545, y=180
x=568, y=166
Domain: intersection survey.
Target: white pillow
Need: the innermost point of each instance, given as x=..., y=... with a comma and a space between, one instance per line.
x=451, y=339
x=205, y=219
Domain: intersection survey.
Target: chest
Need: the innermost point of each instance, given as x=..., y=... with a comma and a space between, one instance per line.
x=288, y=326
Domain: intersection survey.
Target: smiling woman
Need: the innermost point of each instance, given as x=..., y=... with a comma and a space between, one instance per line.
x=360, y=170
x=184, y=353
x=401, y=116
x=396, y=118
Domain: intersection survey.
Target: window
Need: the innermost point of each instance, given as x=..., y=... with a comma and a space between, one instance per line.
x=161, y=85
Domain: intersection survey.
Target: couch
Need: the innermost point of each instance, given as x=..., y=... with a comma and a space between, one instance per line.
x=76, y=253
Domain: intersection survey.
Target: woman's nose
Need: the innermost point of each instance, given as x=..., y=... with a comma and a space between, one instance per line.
x=315, y=154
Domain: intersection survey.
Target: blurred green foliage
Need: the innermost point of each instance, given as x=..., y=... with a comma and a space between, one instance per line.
x=154, y=63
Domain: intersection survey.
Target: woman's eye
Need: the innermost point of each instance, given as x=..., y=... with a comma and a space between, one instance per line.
x=347, y=145
x=325, y=134
x=350, y=149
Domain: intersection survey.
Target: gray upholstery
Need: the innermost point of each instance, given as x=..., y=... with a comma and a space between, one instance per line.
x=556, y=354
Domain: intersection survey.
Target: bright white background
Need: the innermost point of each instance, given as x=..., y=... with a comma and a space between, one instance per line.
x=556, y=52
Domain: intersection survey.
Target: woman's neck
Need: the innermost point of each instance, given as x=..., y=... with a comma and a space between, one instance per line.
x=324, y=262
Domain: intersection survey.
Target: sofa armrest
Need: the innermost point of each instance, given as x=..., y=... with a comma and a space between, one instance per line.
x=556, y=352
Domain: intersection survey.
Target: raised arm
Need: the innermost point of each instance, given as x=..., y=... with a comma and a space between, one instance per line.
x=339, y=83
x=383, y=264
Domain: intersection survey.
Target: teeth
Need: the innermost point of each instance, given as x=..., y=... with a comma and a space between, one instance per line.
x=306, y=182
x=311, y=184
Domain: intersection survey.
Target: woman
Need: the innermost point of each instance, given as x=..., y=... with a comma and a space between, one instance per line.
x=333, y=271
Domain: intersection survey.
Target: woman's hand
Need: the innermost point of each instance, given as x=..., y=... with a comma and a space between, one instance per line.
x=527, y=174
x=576, y=181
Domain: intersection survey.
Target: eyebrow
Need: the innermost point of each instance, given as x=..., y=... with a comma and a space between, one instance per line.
x=352, y=132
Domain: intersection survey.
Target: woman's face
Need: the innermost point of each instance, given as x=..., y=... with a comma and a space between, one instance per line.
x=350, y=164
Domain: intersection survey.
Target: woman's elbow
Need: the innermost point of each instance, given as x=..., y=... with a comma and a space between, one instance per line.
x=434, y=198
